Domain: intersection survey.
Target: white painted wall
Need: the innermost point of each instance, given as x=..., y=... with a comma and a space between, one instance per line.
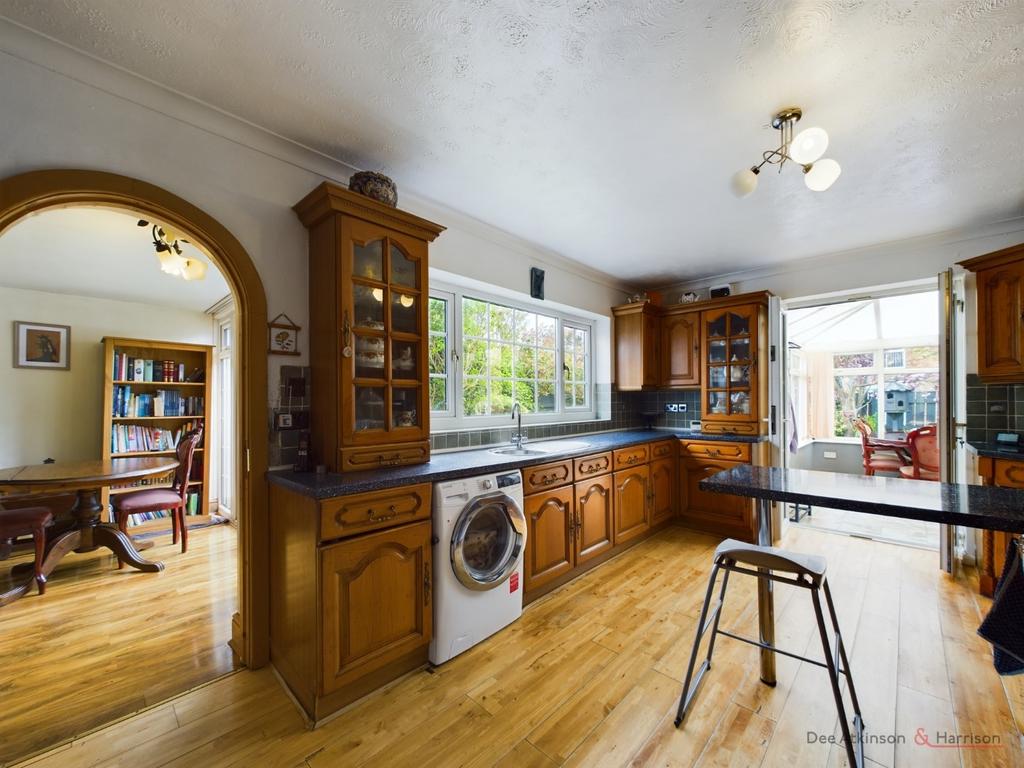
x=58, y=414
x=62, y=109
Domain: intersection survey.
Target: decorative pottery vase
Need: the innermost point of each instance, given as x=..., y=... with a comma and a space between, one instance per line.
x=376, y=186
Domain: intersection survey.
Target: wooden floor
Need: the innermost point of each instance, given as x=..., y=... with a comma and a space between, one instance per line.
x=590, y=676
x=103, y=643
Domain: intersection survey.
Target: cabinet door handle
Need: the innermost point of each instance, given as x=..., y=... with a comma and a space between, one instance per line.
x=426, y=584
x=577, y=525
x=346, y=333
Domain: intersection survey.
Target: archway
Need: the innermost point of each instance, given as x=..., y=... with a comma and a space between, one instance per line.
x=35, y=191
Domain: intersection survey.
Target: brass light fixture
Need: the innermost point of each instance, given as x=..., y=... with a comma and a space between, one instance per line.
x=168, y=250
x=805, y=149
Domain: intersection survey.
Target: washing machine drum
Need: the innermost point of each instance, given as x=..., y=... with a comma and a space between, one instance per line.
x=487, y=542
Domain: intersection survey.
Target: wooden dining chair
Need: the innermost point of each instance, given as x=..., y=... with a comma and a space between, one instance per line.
x=875, y=458
x=924, y=454
x=173, y=499
x=27, y=521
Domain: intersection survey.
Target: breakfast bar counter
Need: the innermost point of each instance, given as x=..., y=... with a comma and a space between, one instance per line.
x=974, y=506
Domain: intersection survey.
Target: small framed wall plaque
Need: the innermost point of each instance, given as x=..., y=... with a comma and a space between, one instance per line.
x=283, y=336
x=42, y=345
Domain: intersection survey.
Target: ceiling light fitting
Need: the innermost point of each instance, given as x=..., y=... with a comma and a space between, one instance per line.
x=805, y=149
x=168, y=250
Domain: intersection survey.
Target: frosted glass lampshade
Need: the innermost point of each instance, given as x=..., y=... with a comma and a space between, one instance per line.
x=744, y=182
x=171, y=263
x=808, y=145
x=822, y=175
x=194, y=269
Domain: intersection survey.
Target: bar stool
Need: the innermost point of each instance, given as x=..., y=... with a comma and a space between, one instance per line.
x=808, y=572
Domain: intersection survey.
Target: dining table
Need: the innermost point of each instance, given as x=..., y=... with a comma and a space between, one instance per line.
x=84, y=529
x=973, y=506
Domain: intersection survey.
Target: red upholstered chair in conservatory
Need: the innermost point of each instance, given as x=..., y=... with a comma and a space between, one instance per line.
x=924, y=454
x=876, y=458
x=174, y=499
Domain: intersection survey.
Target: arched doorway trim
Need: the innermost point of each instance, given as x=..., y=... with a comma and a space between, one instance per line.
x=35, y=191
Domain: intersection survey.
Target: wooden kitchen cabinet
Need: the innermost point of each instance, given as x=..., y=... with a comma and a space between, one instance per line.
x=594, y=519
x=636, y=346
x=550, y=537
x=631, y=503
x=663, y=490
x=351, y=592
x=1004, y=473
x=1000, y=307
x=731, y=401
x=368, y=330
x=376, y=601
x=680, y=349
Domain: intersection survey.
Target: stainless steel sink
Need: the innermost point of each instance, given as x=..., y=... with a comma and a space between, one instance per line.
x=513, y=451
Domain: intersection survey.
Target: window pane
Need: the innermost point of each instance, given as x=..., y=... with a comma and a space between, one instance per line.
x=501, y=322
x=525, y=363
x=438, y=394
x=545, y=396
x=895, y=358
x=501, y=397
x=855, y=397
x=438, y=354
x=546, y=328
x=474, y=357
x=853, y=360
x=438, y=309
x=911, y=401
x=526, y=327
x=545, y=365
x=500, y=360
x=921, y=357
x=526, y=396
x=474, y=397
x=474, y=318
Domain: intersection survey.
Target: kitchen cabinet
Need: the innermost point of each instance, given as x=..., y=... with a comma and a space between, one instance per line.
x=368, y=330
x=550, y=536
x=1000, y=308
x=680, y=349
x=1005, y=473
x=636, y=346
x=376, y=601
x=663, y=490
x=594, y=519
x=351, y=592
x=716, y=513
x=730, y=396
x=631, y=503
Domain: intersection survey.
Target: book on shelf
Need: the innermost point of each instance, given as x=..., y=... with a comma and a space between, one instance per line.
x=162, y=403
x=133, y=438
x=128, y=368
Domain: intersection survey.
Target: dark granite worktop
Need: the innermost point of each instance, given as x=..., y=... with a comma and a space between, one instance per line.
x=974, y=506
x=448, y=466
x=995, y=451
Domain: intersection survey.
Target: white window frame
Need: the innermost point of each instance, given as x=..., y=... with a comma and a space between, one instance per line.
x=879, y=370
x=455, y=418
x=452, y=354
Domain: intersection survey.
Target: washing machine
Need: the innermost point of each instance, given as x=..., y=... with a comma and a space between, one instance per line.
x=479, y=539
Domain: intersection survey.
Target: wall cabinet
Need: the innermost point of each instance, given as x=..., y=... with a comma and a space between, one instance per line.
x=730, y=396
x=550, y=540
x=680, y=349
x=368, y=330
x=1000, y=306
x=351, y=592
x=631, y=503
x=636, y=347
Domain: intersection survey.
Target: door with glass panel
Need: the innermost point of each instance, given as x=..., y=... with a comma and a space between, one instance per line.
x=730, y=341
x=384, y=322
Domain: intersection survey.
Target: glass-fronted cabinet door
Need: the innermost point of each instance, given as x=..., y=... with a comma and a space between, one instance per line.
x=383, y=320
x=730, y=341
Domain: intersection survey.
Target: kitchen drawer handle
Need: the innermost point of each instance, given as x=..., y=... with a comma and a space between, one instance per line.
x=394, y=459
x=548, y=479
x=633, y=459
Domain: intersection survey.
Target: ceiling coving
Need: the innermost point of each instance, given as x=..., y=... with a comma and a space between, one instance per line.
x=603, y=129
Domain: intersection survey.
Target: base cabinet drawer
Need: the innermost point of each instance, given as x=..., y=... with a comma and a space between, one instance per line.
x=364, y=512
x=377, y=592
x=631, y=503
x=378, y=456
x=545, y=476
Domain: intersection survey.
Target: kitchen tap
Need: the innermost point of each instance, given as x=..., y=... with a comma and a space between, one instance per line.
x=518, y=438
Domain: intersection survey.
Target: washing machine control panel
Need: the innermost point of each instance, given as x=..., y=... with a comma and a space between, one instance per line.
x=512, y=478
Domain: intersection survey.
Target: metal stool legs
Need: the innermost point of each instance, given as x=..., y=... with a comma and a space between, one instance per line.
x=836, y=661
x=702, y=627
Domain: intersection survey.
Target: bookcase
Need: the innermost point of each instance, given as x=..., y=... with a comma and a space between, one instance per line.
x=154, y=392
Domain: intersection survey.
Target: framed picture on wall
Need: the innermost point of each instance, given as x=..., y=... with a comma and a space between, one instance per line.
x=42, y=345
x=283, y=336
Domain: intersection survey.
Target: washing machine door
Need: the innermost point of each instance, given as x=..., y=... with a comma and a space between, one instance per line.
x=487, y=541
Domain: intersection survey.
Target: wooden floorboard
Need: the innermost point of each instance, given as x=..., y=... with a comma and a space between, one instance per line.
x=591, y=676
x=102, y=644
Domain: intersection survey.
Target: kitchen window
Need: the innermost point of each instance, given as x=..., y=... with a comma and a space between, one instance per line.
x=487, y=353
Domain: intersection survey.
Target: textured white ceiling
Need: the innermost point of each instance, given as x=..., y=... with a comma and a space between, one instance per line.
x=608, y=130
x=102, y=253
